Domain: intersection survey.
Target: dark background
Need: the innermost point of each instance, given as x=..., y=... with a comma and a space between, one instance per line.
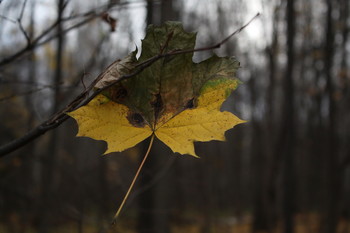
x=286, y=170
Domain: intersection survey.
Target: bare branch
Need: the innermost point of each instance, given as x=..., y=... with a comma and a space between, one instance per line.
x=218, y=45
x=22, y=94
x=19, y=21
x=33, y=91
x=66, y=30
x=38, y=41
x=18, y=82
x=22, y=10
x=85, y=97
x=102, y=8
x=8, y=19
x=25, y=34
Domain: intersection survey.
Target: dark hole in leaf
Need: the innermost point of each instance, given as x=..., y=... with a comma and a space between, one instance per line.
x=190, y=104
x=136, y=119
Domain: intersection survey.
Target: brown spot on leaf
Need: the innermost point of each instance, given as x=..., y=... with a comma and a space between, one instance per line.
x=118, y=94
x=136, y=119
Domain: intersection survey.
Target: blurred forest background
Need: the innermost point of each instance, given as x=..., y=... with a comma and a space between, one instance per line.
x=286, y=170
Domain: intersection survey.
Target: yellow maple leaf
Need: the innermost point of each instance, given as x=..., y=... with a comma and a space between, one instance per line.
x=106, y=120
x=176, y=100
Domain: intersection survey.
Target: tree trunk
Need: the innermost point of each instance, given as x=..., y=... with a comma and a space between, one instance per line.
x=28, y=155
x=260, y=222
x=50, y=159
x=265, y=202
x=145, y=222
x=332, y=174
x=287, y=133
x=149, y=220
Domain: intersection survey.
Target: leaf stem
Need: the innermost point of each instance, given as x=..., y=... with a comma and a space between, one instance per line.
x=133, y=181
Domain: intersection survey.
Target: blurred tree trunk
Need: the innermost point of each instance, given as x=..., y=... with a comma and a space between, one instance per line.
x=29, y=151
x=315, y=128
x=146, y=214
x=287, y=131
x=264, y=199
x=103, y=187
x=146, y=217
x=50, y=159
x=345, y=103
x=149, y=219
x=332, y=173
x=258, y=157
x=169, y=13
x=164, y=187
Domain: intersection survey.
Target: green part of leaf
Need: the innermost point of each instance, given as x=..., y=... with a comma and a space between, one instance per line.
x=171, y=84
x=214, y=68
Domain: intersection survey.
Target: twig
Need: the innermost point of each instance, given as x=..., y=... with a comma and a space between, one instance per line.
x=22, y=10
x=218, y=45
x=25, y=34
x=29, y=92
x=102, y=8
x=23, y=93
x=165, y=45
x=84, y=98
x=38, y=41
x=19, y=21
x=8, y=19
x=66, y=30
x=17, y=82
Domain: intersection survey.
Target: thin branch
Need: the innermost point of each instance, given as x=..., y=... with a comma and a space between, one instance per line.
x=30, y=92
x=19, y=21
x=218, y=45
x=8, y=19
x=102, y=8
x=29, y=47
x=66, y=30
x=22, y=10
x=38, y=41
x=18, y=82
x=22, y=94
x=84, y=98
x=25, y=34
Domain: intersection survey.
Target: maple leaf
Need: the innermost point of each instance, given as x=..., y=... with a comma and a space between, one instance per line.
x=175, y=99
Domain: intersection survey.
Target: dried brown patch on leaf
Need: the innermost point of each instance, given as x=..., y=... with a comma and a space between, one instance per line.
x=117, y=69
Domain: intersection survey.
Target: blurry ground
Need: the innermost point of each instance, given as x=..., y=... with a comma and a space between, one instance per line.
x=304, y=223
